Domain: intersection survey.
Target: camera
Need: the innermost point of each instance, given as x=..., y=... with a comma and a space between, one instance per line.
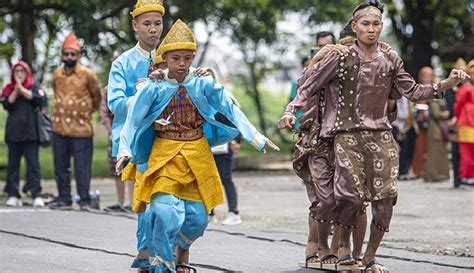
x=313, y=51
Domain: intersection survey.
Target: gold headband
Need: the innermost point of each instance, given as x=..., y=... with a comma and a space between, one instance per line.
x=370, y=10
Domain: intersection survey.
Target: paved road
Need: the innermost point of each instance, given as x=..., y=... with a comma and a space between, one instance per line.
x=432, y=228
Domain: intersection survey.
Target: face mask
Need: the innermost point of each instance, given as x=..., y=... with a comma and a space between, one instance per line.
x=70, y=63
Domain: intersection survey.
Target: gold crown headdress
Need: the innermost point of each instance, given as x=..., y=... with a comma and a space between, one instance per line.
x=470, y=67
x=460, y=64
x=144, y=6
x=180, y=37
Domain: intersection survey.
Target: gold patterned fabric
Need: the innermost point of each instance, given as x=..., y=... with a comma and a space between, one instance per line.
x=179, y=37
x=186, y=122
x=77, y=96
x=185, y=169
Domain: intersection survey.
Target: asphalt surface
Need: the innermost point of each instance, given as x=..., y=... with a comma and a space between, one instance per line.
x=431, y=232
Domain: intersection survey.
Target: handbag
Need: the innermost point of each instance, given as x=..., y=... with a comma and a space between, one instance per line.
x=43, y=127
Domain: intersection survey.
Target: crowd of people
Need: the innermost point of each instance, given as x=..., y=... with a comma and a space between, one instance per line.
x=163, y=116
x=427, y=133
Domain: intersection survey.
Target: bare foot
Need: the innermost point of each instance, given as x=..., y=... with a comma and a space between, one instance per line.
x=326, y=256
x=376, y=267
x=345, y=256
x=357, y=257
x=182, y=257
x=311, y=250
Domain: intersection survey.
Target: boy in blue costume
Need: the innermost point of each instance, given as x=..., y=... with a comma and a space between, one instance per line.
x=132, y=65
x=171, y=126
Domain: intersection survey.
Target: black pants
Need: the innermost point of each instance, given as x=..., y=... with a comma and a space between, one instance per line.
x=455, y=160
x=224, y=166
x=407, y=150
x=33, y=173
x=80, y=148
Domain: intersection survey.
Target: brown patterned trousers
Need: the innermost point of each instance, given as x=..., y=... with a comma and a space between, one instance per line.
x=351, y=170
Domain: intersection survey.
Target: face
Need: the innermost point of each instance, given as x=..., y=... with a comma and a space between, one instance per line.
x=149, y=27
x=326, y=40
x=179, y=61
x=19, y=73
x=368, y=29
x=426, y=77
x=70, y=55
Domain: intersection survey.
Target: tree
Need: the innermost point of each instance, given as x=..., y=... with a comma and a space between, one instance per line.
x=424, y=27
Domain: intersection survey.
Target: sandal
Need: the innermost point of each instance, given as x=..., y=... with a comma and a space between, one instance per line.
x=370, y=264
x=347, y=258
x=325, y=258
x=358, y=259
x=309, y=257
x=186, y=266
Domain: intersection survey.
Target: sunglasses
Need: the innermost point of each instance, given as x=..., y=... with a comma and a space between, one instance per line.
x=69, y=54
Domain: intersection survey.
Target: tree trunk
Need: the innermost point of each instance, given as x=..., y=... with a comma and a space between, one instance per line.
x=26, y=31
x=205, y=48
x=422, y=20
x=257, y=98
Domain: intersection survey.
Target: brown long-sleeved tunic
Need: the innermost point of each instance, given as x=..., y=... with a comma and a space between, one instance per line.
x=364, y=89
x=77, y=96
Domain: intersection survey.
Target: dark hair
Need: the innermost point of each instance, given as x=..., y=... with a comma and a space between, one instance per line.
x=323, y=34
x=347, y=31
x=374, y=3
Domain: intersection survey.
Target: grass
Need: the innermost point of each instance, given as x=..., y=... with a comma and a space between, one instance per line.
x=273, y=104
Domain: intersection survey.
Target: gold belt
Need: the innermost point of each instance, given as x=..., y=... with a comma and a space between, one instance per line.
x=188, y=135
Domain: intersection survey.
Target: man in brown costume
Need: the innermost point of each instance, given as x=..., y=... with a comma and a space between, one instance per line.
x=366, y=155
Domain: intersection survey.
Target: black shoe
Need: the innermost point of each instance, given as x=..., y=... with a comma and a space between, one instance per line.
x=115, y=208
x=58, y=205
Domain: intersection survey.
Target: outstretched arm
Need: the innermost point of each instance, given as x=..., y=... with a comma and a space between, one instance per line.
x=406, y=85
x=222, y=102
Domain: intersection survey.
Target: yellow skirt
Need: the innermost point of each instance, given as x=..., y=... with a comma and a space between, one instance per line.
x=466, y=134
x=185, y=169
x=130, y=173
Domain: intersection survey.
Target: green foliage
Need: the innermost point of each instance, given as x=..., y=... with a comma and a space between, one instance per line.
x=426, y=27
x=325, y=11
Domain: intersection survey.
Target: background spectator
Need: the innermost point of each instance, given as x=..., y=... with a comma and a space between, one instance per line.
x=22, y=99
x=77, y=94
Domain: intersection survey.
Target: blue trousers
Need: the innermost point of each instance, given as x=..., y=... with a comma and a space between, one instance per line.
x=172, y=222
x=142, y=259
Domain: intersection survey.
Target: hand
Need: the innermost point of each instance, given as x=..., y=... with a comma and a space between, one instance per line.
x=157, y=75
x=455, y=77
x=452, y=122
x=271, y=145
x=201, y=72
x=286, y=121
x=18, y=81
x=234, y=146
x=341, y=49
x=121, y=164
x=384, y=47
